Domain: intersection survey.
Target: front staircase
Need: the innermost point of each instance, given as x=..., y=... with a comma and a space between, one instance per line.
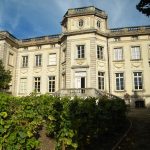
x=83, y=92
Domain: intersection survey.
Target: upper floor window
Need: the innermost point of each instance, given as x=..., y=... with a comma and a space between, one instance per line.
x=25, y=48
x=38, y=60
x=81, y=23
x=118, y=54
x=100, y=52
x=101, y=80
x=134, y=37
x=39, y=46
x=23, y=85
x=149, y=52
x=24, y=61
x=98, y=24
x=11, y=59
x=119, y=81
x=116, y=39
x=135, y=52
x=52, y=59
x=80, y=51
x=37, y=84
x=138, y=83
x=64, y=55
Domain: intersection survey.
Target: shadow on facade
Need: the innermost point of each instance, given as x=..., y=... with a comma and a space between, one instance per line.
x=134, y=100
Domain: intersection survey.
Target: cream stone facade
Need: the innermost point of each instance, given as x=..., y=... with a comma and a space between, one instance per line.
x=87, y=58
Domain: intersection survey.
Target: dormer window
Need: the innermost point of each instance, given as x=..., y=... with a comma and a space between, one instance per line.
x=98, y=24
x=81, y=22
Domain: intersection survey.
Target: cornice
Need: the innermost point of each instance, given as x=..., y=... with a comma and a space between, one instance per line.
x=129, y=31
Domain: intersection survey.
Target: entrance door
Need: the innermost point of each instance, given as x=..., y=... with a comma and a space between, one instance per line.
x=80, y=80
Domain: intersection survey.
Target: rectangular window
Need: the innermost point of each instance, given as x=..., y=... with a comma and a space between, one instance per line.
x=52, y=59
x=101, y=80
x=138, y=85
x=37, y=84
x=149, y=52
x=11, y=59
x=51, y=84
x=100, y=52
x=119, y=81
x=118, y=54
x=135, y=52
x=24, y=61
x=38, y=60
x=80, y=51
x=23, y=85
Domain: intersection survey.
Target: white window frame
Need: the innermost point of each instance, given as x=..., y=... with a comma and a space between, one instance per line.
x=100, y=52
x=80, y=51
x=37, y=84
x=101, y=80
x=119, y=81
x=38, y=60
x=23, y=85
x=52, y=59
x=135, y=53
x=139, y=79
x=118, y=54
x=25, y=60
x=51, y=84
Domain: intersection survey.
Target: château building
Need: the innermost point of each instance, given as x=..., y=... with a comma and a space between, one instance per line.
x=87, y=58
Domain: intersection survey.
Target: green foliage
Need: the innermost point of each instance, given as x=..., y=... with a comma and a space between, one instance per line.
x=144, y=7
x=5, y=77
x=73, y=123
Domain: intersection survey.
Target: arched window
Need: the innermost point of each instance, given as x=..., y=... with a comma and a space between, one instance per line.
x=81, y=22
x=98, y=24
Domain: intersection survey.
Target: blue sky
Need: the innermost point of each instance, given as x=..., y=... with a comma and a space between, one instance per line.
x=31, y=18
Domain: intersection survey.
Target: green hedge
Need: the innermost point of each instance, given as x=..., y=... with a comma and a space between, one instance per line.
x=73, y=123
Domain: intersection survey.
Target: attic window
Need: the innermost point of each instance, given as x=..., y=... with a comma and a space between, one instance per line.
x=98, y=24
x=81, y=22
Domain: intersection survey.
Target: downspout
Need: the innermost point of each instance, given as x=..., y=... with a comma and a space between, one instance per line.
x=108, y=66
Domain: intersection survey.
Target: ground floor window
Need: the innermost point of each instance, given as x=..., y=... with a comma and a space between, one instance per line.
x=51, y=84
x=119, y=81
x=101, y=80
x=23, y=85
x=138, y=85
x=37, y=84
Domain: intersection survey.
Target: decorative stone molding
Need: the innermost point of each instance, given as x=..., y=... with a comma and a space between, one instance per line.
x=37, y=70
x=119, y=65
x=136, y=64
x=80, y=61
x=23, y=71
x=52, y=69
x=100, y=64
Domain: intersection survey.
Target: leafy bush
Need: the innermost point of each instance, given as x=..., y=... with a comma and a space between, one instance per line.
x=74, y=123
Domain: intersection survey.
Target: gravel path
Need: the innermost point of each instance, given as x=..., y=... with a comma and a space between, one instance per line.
x=139, y=136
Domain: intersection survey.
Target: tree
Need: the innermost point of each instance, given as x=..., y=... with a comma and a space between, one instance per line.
x=5, y=77
x=144, y=7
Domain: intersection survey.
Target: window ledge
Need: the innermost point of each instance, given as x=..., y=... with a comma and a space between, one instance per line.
x=136, y=59
x=37, y=66
x=51, y=65
x=24, y=67
x=120, y=90
x=119, y=60
x=138, y=90
x=80, y=59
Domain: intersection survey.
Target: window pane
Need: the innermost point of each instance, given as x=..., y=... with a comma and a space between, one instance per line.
x=135, y=52
x=52, y=59
x=51, y=84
